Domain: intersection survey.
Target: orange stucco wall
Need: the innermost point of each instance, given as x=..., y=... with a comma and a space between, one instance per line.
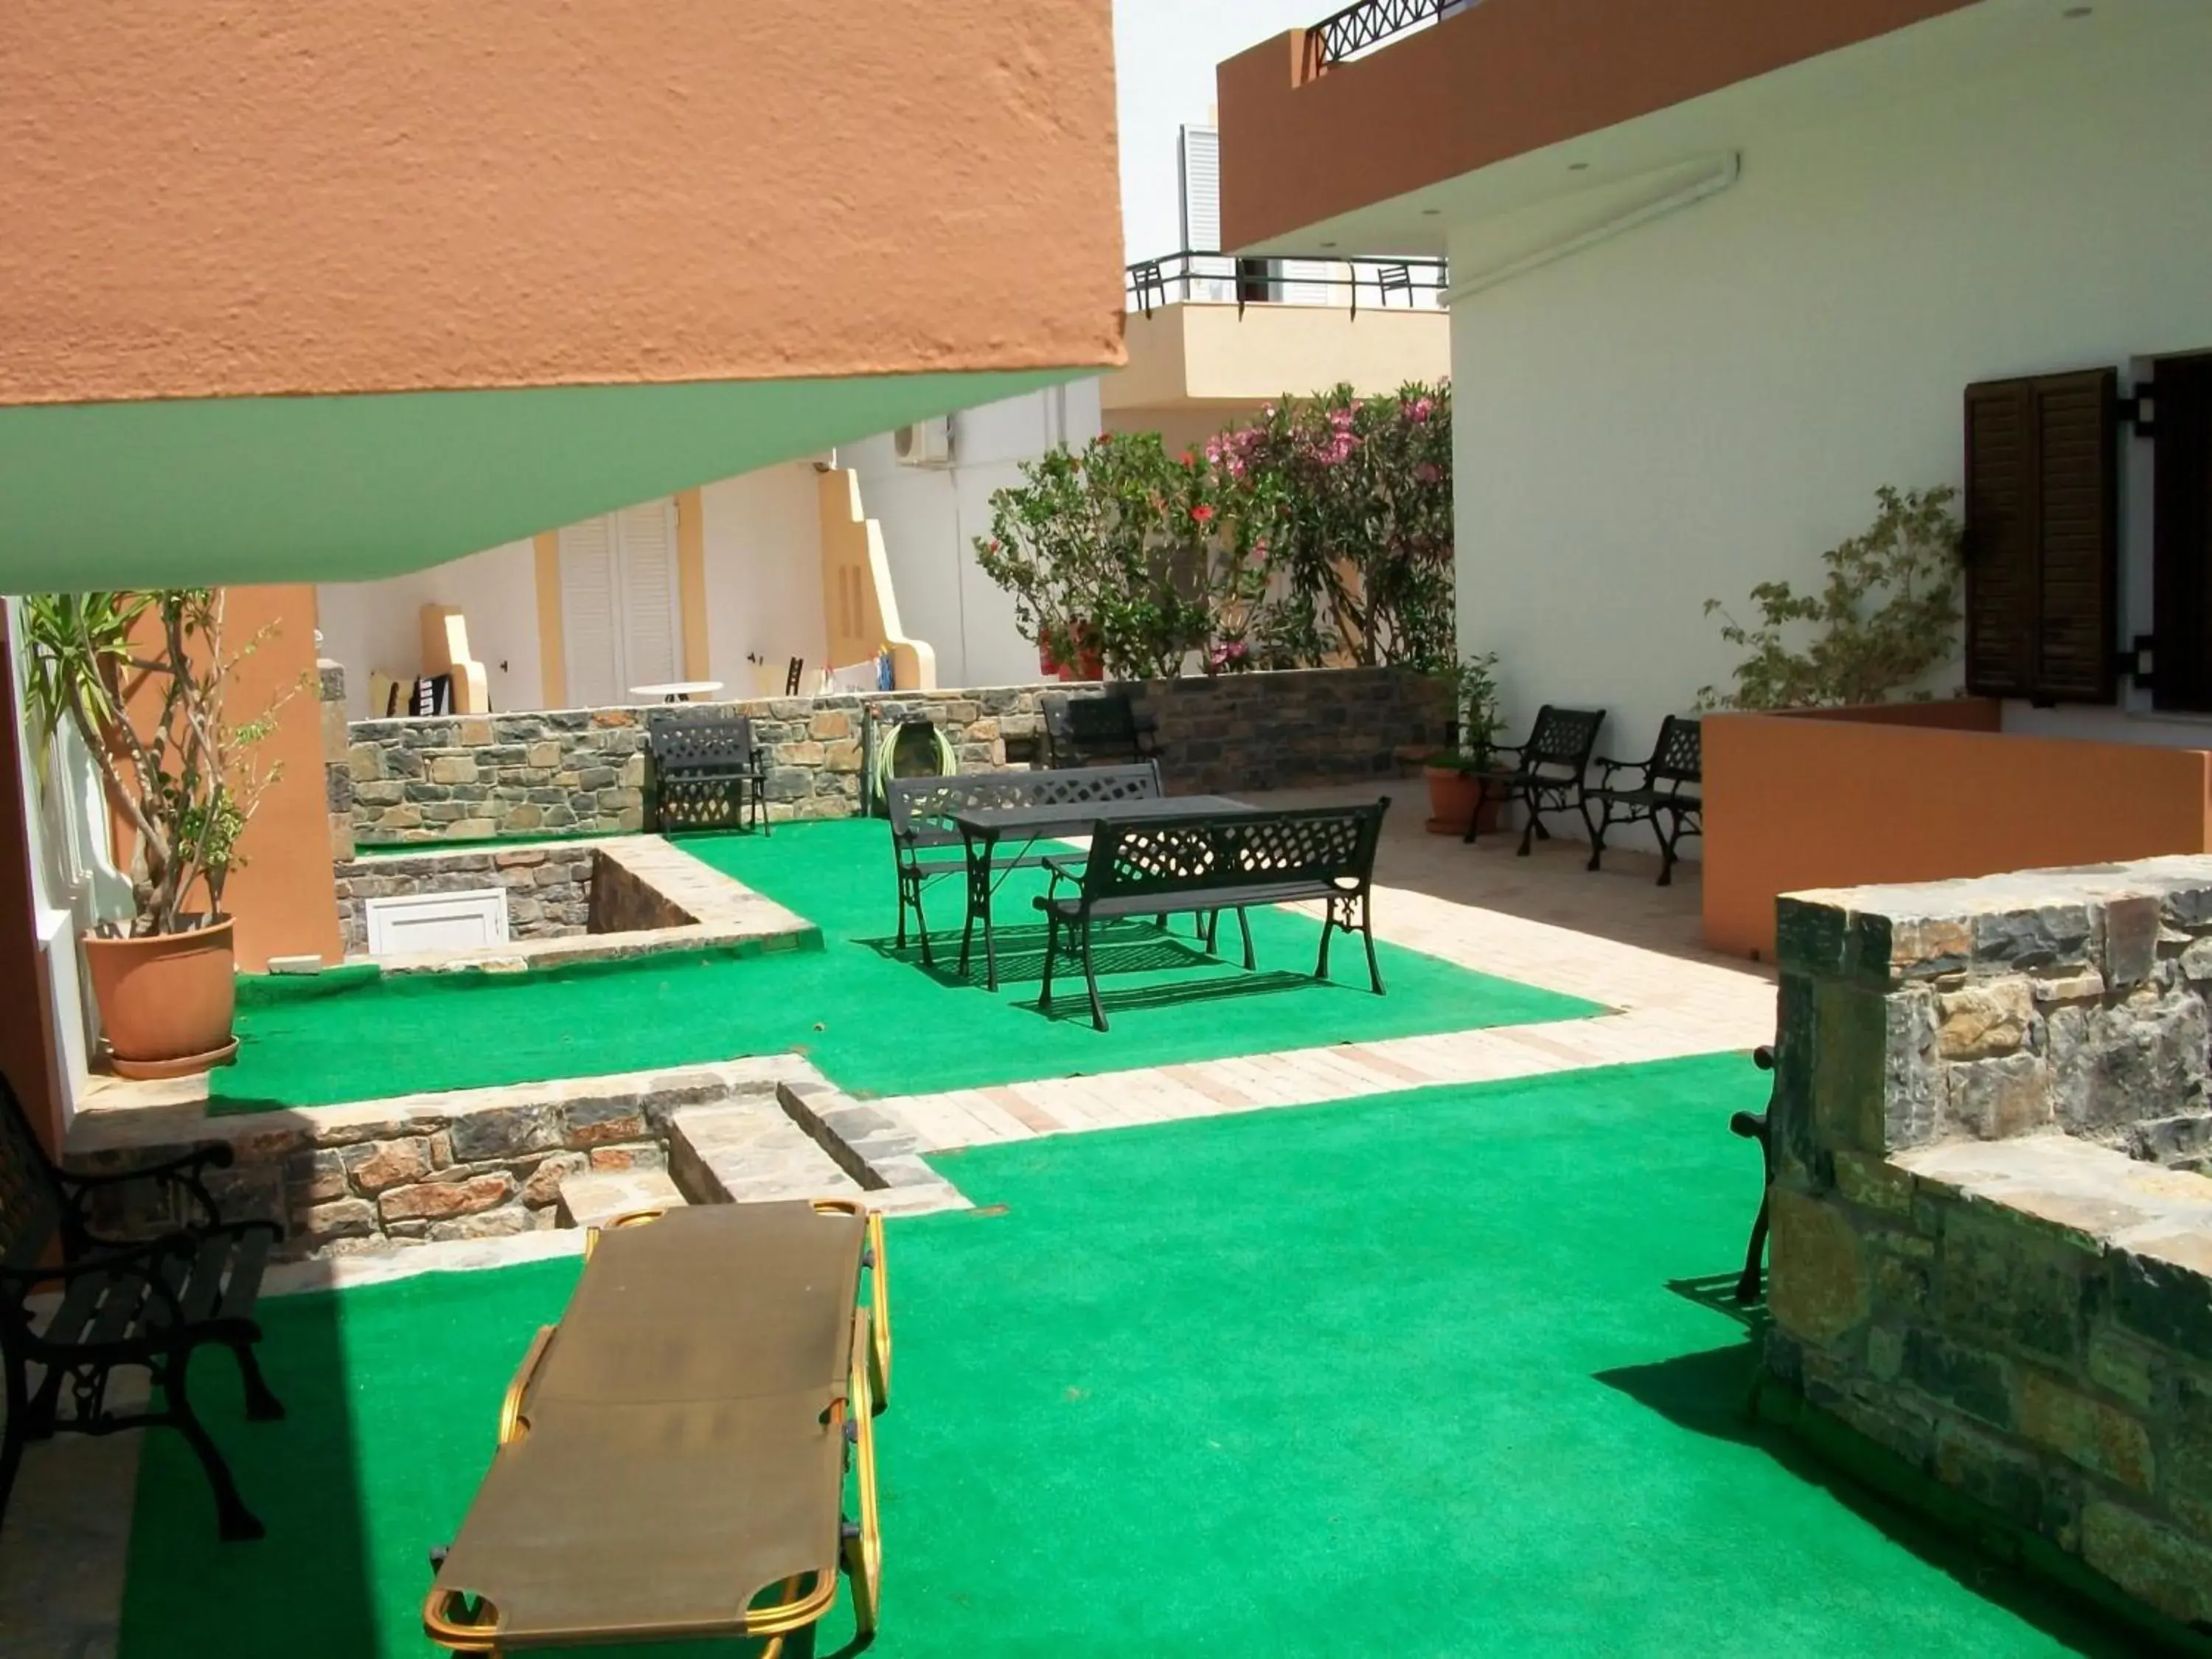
x=1890, y=795
x=26, y=1049
x=283, y=896
x=283, y=900
x=1499, y=79
x=383, y=195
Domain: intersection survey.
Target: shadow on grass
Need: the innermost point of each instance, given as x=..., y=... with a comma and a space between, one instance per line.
x=1122, y=948
x=1711, y=1393
x=309, y=1585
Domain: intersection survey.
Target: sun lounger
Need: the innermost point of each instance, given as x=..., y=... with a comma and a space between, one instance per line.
x=673, y=1454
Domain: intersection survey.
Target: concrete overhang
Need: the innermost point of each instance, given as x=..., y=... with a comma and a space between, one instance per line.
x=332, y=292
x=1200, y=354
x=1523, y=115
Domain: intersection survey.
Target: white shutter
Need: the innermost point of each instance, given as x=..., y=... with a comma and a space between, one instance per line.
x=1197, y=161
x=590, y=631
x=1201, y=158
x=653, y=630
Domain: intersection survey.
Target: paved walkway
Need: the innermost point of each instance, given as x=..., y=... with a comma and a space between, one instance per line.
x=1612, y=937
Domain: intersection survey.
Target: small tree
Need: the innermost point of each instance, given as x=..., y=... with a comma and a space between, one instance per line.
x=1885, y=617
x=142, y=677
x=1124, y=549
x=1349, y=500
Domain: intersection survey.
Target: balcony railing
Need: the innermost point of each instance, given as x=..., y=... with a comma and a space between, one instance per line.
x=1345, y=34
x=1321, y=279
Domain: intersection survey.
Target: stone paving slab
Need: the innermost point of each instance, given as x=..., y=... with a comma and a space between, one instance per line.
x=592, y=1200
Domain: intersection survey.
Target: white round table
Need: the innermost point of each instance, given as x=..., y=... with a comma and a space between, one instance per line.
x=677, y=690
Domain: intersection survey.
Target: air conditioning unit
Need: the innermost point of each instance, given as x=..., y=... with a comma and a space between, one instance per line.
x=926, y=443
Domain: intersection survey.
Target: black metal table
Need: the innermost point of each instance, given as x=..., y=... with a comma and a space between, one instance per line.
x=982, y=828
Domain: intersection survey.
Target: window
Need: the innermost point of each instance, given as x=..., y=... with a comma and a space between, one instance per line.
x=2042, y=537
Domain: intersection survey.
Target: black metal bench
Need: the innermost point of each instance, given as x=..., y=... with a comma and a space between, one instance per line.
x=1206, y=863
x=1545, y=772
x=1759, y=1126
x=925, y=846
x=707, y=771
x=1665, y=794
x=1103, y=730
x=153, y=1304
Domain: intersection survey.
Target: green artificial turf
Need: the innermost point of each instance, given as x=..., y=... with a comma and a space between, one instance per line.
x=1413, y=1375
x=870, y=1016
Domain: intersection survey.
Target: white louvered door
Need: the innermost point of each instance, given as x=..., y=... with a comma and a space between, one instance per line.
x=589, y=633
x=621, y=610
x=652, y=626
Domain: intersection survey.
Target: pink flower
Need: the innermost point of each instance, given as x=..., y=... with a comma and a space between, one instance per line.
x=1428, y=472
x=1202, y=513
x=1422, y=408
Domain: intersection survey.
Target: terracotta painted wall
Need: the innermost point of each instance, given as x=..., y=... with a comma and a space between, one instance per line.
x=26, y=1051
x=1503, y=78
x=387, y=195
x=1793, y=803
x=282, y=899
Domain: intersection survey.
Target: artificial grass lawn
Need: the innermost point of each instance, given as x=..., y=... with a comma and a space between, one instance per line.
x=871, y=1017
x=1401, y=1376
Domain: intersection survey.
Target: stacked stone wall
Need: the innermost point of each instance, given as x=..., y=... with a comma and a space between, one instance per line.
x=1991, y=1250
x=584, y=771
x=550, y=890
x=1291, y=730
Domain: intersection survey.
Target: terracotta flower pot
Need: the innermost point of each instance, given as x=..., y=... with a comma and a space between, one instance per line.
x=1452, y=796
x=166, y=1002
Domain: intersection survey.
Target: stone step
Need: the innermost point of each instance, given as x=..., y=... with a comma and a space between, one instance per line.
x=747, y=1152
x=593, y=1199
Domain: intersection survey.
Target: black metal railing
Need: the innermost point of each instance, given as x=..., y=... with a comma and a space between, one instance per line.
x=1307, y=279
x=1366, y=25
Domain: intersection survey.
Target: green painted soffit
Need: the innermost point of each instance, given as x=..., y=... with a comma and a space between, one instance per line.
x=270, y=489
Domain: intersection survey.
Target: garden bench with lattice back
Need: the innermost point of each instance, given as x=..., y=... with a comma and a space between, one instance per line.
x=1662, y=792
x=926, y=846
x=1206, y=863
x=674, y=1455
x=708, y=773
x=104, y=1302
x=1103, y=730
x=1544, y=773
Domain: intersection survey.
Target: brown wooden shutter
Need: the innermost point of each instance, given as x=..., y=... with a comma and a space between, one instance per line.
x=2000, y=540
x=2181, y=533
x=2042, y=537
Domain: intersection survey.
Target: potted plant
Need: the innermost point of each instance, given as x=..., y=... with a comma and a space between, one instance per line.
x=1453, y=773
x=141, y=678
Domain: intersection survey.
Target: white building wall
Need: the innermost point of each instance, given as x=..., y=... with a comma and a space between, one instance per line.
x=1711, y=400
x=762, y=535
x=372, y=626
x=931, y=516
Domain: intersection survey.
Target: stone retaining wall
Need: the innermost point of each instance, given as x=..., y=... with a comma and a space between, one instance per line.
x=1290, y=730
x=1990, y=1255
x=583, y=771
x=471, y=1163
x=550, y=889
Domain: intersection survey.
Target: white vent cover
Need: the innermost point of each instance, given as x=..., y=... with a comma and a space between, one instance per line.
x=437, y=921
x=926, y=443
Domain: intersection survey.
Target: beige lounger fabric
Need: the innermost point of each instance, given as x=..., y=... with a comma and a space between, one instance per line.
x=676, y=1452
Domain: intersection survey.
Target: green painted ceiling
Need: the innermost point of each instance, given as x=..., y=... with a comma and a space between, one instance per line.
x=270, y=489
